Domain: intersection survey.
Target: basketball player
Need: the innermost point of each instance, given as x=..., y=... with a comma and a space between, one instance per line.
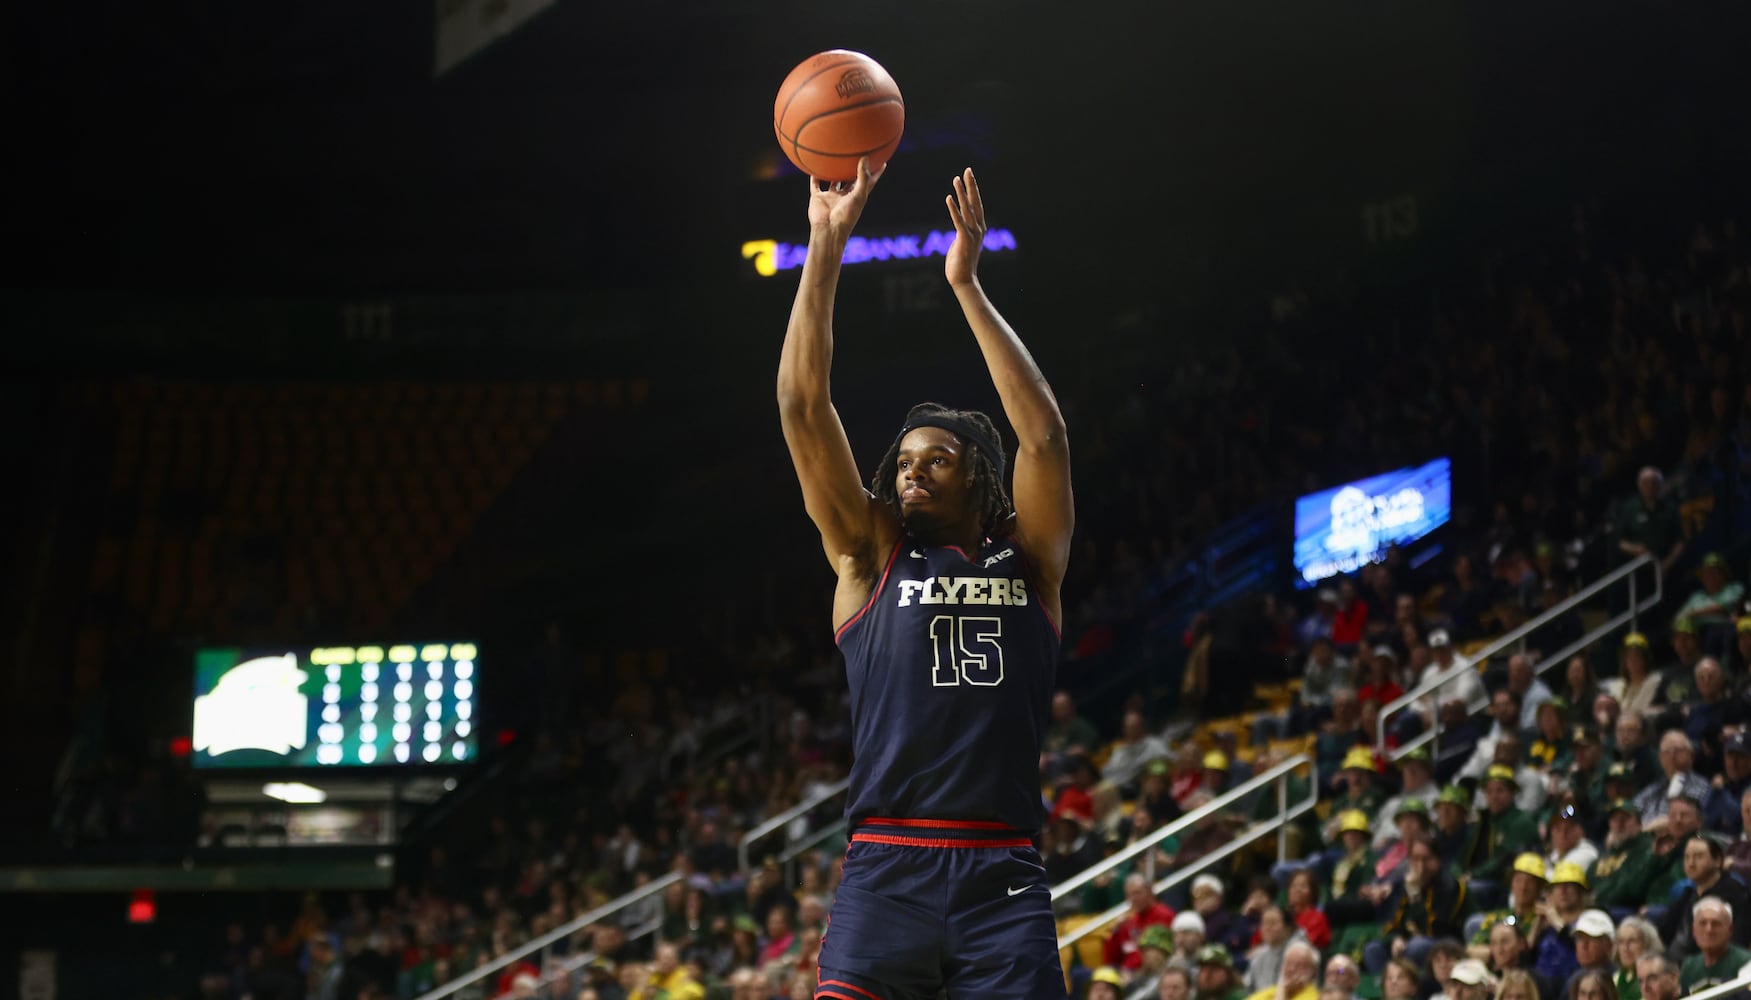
x=945, y=609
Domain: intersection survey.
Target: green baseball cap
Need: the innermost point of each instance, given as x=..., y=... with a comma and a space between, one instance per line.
x=1623, y=806
x=1215, y=954
x=1414, y=807
x=1453, y=795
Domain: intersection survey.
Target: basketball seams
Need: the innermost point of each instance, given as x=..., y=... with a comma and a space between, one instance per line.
x=799, y=149
x=803, y=85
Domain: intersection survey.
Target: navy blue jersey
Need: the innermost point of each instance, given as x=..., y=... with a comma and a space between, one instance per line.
x=951, y=667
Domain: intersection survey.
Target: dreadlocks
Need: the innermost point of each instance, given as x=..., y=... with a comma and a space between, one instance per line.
x=990, y=499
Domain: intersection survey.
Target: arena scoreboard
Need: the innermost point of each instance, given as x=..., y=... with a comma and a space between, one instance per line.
x=1341, y=529
x=395, y=705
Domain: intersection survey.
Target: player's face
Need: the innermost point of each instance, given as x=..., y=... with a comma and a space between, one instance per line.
x=932, y=479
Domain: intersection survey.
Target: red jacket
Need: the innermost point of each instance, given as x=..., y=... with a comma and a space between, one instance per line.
x=1121, y=949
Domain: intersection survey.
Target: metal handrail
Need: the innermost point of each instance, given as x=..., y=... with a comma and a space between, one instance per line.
x=788, y=856
x=563, y=931
x=1713, y=992
x=572, y=963
x=1518, y=635
x=1279, y=823
x=1166, y=830
x=807, y=805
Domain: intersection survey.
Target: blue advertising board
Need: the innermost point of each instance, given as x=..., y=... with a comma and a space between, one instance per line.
x=1341, y=529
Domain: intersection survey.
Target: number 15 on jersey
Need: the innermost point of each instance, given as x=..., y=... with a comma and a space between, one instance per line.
x=966, y=648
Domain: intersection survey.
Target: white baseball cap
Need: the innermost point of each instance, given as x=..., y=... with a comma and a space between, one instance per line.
x=1188, y=921
x=1209, y=882
x=1471, y=972
x=1596, y=923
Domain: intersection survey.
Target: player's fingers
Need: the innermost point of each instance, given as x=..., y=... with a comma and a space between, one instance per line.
x=978, y=202
x=954, y=213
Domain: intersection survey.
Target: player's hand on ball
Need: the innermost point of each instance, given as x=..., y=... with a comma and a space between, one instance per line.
x=834, y=207
x=967, y=211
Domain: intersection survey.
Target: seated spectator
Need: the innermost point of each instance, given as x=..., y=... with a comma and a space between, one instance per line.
x=1526, y=885
x=1105, y=984
x=1627, y=864
x=1302, y=902
x=1705, y=867
x=1635, y=938
x=1069, y=847
x=1466, y=686
x=1121, y=950
x=1324, y=672
x=1068, y=737
x=1595, y=947
x=1739, y=852
x=1175, y=984
x=1418, y=782
x=1155, y=794
x=1341, y=733
x=1156, y=946
x=1401, y=980
x=1219, y=924
x=1518, y=984
x=1356, y=791
x=1216, y=977
x=1509, y=954
x=1134, y=749
x=1553, y=936
x=1264, y=963
x=1505, y=715
x=1580, y=687
x=1469, y=980
x=1381, y=685
x=1677, y=757
x=1712, y=710
x=1354, y=868
x=1658, y=977
x=1592, y=984
x=1683, y=818
x=1414, y=824
x=1717, y=959
x=1643, y=688
x=1299, y=967
x=1630, y=748
x=1502, y=833
x=1188, y=939
x=1452, y=821
x=1427, y=904
x=1711, y=607
x=1341, y=977
x=1568, y=838
x=1550, y=738
x=1726, y=807
x=1583, y=782
x=1531, y=691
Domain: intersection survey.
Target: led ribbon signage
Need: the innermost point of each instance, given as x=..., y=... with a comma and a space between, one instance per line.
x=771, y=256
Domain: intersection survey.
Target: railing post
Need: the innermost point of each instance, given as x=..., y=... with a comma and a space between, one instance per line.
x=1633, y=603
x=1282, y=817
x=1149, y=866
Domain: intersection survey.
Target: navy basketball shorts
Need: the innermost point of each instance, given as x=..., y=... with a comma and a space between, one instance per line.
x=931, y=905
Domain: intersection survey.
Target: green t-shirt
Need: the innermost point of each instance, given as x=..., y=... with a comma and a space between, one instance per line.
x=1061, y=736
x=1695, y=974
x=1620, y=877
x=1658, y=529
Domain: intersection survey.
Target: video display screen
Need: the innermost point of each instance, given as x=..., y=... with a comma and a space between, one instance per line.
x=1342, y=529
x=336, y=706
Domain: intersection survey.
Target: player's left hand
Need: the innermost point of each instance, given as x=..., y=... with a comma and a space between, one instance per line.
x=967, y=211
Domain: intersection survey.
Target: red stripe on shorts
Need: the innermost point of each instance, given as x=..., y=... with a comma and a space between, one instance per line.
x=899, y=841
x=859, y=989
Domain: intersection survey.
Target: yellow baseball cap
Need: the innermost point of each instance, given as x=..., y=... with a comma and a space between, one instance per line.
x=1635, y=640
x=1107, y=974
x=1216, y=760
x=1743, y=624
x=1500, y=772
x=1353, y=819
x=1359, y=759
x=1532, y=865
x=1569, y=872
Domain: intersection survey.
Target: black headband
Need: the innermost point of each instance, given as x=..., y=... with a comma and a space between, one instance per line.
x=964, y=429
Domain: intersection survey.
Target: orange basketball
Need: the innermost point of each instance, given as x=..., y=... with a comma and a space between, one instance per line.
x=835, y=108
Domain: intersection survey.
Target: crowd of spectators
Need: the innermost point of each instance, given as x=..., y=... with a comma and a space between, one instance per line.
x=1603, y=803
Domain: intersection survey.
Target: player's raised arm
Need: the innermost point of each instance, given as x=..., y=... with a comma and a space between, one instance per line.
x=844, y=511
x=1045, y=512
